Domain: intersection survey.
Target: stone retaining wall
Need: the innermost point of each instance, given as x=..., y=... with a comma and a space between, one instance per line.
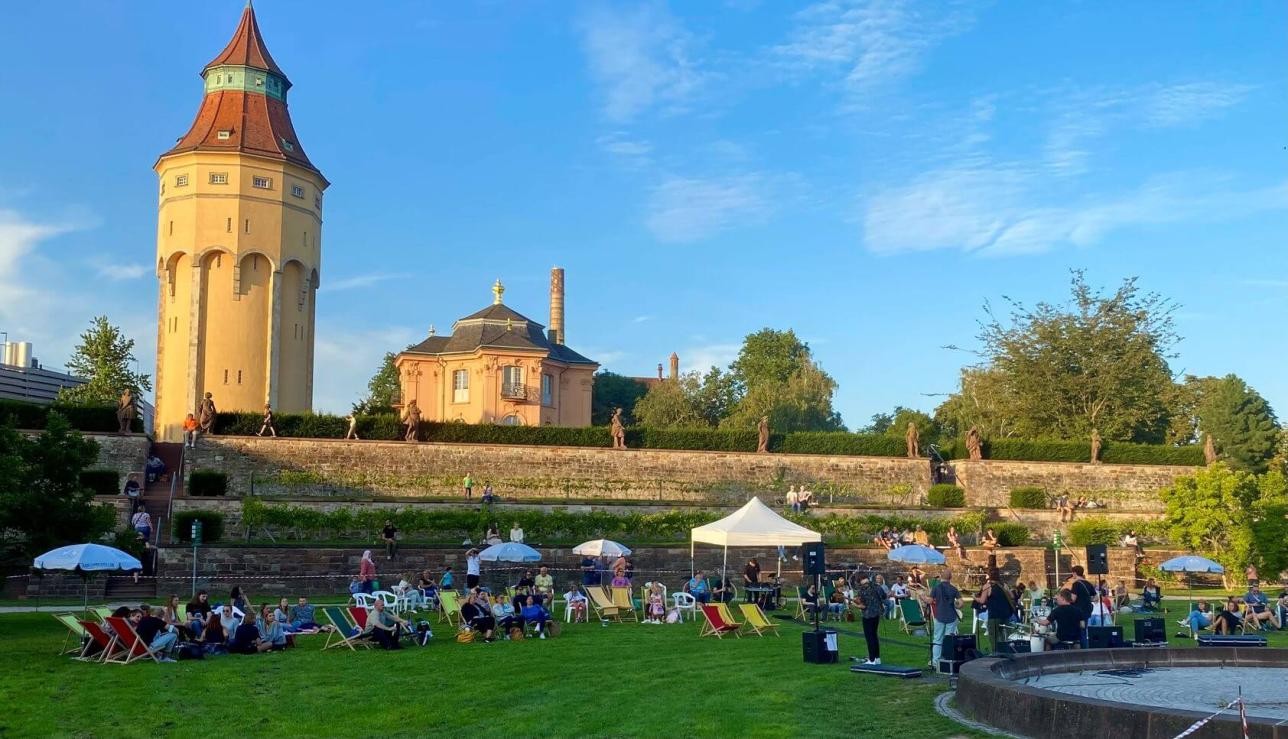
x=321, y=467
x=125, y=454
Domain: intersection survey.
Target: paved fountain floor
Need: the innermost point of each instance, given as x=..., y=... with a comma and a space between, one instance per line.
x=1265, y=689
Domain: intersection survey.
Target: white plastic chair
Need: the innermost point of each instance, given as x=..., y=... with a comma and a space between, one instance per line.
x=363, y=600
x=685, y=602
x=568, y=610
x=390, y=600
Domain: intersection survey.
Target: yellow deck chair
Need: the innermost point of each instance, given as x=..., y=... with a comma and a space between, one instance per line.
x=76, y=635
x=625, y=606
x=102, y=612
x=756, y=619
x=603, y=604
x=449, y=607
x=727, y=615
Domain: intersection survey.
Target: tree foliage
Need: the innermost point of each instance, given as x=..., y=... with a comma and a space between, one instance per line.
x=42, y=501
x=610, y=391
x=1240, y=421
x=671, y=404
x=105, y=358
x=768, y=357
x=1232, y=515
x=383, y=387
x=803, y=402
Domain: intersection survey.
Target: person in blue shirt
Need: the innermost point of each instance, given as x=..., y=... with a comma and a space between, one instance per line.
x=533, y=613
x=446, y=580
x=697, y=587
x=589, y=576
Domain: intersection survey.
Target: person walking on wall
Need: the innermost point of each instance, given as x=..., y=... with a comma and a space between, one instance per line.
x=269, y=425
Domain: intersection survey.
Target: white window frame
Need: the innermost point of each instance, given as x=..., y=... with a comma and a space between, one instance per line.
x=219, y=178
x=261, y=183
x=224, y=135
x=297, y=191
x=181, y=180
x=461, y=386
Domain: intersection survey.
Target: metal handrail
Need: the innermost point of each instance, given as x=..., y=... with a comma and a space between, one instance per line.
x=514, y=391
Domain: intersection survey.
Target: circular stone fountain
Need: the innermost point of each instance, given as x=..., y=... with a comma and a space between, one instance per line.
x=1147, y=693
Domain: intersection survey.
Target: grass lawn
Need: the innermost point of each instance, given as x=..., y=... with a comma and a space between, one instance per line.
x=623, y=680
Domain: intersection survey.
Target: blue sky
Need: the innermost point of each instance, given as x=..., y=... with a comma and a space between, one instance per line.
x=867, y=173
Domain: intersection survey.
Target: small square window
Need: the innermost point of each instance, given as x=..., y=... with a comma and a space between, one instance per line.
x=225, y=135
x=297, y=191
x=219, y=178
x=181, y=180
x=263, y=183
x=317, y=202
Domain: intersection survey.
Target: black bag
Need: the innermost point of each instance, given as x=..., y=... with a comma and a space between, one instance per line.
x=423, y=633
x=191, y=650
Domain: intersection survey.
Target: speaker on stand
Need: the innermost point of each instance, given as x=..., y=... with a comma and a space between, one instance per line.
x=1097, y=559
x=819, y=646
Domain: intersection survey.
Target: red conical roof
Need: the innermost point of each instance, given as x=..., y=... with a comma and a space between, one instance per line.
x=247, y=47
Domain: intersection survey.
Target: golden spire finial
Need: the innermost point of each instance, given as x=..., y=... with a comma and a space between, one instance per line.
x=497, y=291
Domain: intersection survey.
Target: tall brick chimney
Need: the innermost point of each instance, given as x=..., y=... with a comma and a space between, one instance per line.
x=675, y=366
x=557, y=306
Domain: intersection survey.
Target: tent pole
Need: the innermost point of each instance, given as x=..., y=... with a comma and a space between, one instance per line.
x=724, y=579
x=692, y=570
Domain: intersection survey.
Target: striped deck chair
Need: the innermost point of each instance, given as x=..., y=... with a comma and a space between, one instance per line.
x=74, y=630
x=603, y=604
x=911, y=615
x=105, y=641
x=133, y=647
x=346, y=634
x=757, y=621
x=621, y=598
x=715, y=624
x=449, y=607
x=358, y=615
x=727, y=615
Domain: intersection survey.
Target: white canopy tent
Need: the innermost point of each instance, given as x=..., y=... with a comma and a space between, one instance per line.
x=753, y=525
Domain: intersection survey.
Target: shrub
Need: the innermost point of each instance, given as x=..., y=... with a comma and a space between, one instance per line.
x=1061, y=450
x=128, y=541
x=1011, y=534
x=1119, y=452
x=102, y=482
x=204, y=483
x=945, y=495
x=839, y=442
x=89, y=418
x=1029, y=496
x=1095, y=530
x=212, y=525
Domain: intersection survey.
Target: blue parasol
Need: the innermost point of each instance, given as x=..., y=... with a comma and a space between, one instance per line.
x=915, y=554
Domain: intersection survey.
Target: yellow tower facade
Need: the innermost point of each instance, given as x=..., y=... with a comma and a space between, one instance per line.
x=238, y=246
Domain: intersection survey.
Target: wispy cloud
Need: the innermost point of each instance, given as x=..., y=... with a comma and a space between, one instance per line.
x=120, y=272
x=641, y=319
x=21, y=300
x=705, y=356
x=631, y=151
x=871, y=43
x=1191, y=102
x=683, y=209
x=347, y=357
x=356, y=281
x=642, y=59
x=999, y=209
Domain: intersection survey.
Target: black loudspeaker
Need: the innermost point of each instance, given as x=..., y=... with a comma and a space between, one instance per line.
x=1151, y=630
x=1097, y=559
x=812, y=557
x=964, y=647
x=816, y=647
x=1105, y=637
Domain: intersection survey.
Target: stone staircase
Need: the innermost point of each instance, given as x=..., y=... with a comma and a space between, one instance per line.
x=156, y=495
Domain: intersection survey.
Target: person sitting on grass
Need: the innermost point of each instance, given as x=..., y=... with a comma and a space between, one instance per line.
x=533, y=613
x=478, y=617
x=170, y=616
x=1258, y=608
x=154, y=632
x=1122, y=598
x=384, y=626
x=199, y=610
x=697, y=587
x=1200, y=618
x=213, y=638
x=577, y=602
x=301, y=616
x=655, y=605
x=1151, y=597
x=239, y=599
x=229, y=619
x=1228, y=620
x=270, y=630
x=1068, y=622
x=506, y=617
x=246, y=638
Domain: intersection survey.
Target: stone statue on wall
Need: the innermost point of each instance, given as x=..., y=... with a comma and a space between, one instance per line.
x=1209, y=449
x=206, y=414
x=618, y=430
x=913, y=439
x=125, y=412
x=974, y=446
x=1095, y=446
x=411, y=417
x=270, y=423
x=762, y=434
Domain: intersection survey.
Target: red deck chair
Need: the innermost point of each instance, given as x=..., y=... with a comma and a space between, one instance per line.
x=716, y=625
x=133, y=648
x=359, y=616
x=107, y=643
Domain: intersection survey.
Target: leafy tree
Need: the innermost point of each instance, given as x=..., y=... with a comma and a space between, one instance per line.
x=880, y=422
x=802, y=403
x=1097, y=362
x=1240, y=422
x=1279, y=462
x=105, y=358
x=670, y=404
x=984, y=400
x=715, y=396
x=383, y=387
x=1218, y=510
x=769, y=357
x=927, y=428
x=1270, y=523
x=610, y=391
x=42, y=502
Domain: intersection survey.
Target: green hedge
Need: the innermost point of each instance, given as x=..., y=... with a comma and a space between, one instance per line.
x=839, y=442
x=1060, y=450
x=1029, y=496
x=945, y=495
x=89, y=418
x=102, y=482
x=206, y=483
x=306, y=522
x=212, y=526
x=1011, y=534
